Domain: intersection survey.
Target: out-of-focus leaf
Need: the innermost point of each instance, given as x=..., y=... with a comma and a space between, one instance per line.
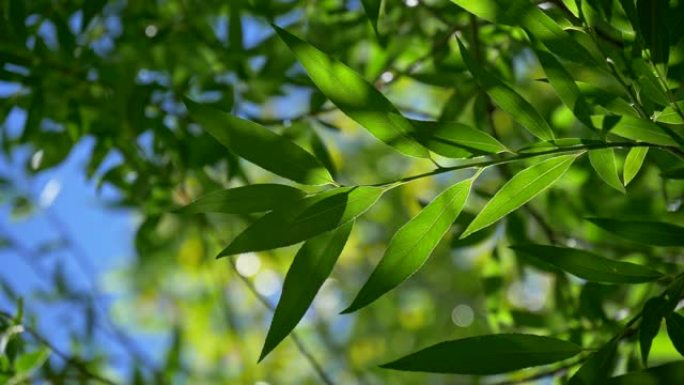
x=455, y=140
x=652, y=317
x=667, y=374
x=633, y=162
x=646, y=232
x=651, y=16
x=260, y=146
x=634, y=128
x=520, y=189
x=373, y=10
x=507, y=99
x=28, y=362
x=590, y=266
x=565, y=86
x=254, y=198
x=357, y=98
x=673, y=173
x=305, y=219
x=413, y=244
x=675, y=330
x=311, y=266
x=597, y=368
x=491, y=354
x=603, y=162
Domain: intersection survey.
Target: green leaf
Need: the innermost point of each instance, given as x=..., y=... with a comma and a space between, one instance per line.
x=652, y=316
x=491, y=354
x=311, y=266
x=668, y=374
x=520, y=189
x=28, y=362
x=507, y=99
x=597, y=368
x=253, y=198
x=645, y=232
x=671, y=114
x=631, y=127
x=603, y=162
x=590, y=266
x=633, y=162
x=260, y=146
x=651, y=14
x=675, y=329
x=565, y=87
x=305, y=219
x=455, y=140
x=413, y=244
x=357, y=98
x=673, y=173
x=373, y=9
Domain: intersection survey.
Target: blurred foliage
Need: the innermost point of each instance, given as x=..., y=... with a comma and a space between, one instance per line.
x=603, y=77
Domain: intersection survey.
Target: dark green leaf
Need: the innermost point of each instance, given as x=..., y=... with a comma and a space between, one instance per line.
x=652, y=317
x=492, y=354
x=373, y=10
x=455, y=140
x=603, y=162
x=669, y=374
x=675, y=329
x=673, y=173
x=413, y=244
x=260, y=146
x=646, y=232
x=597, y=368
x=507, y=99
x=520, y=189
x=590, y=266
x=357, y=98
x=633, y=162
x=651, y=16
x=304, y=219
x=311, y=266
x=253, y=198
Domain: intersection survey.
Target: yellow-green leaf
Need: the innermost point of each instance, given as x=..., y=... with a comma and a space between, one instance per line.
x=413, y=244
x=357, y=98
x=260, y=145
x=603, y=162
x=491, y=354
x=311, y=266
x=520, y=189
x=633, y=162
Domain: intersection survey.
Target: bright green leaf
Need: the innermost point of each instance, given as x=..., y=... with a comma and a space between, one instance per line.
x=633, y=162
x=491, y=354
x=413, y=244
x=253, y=198
x=646, y=232
x=520, y=189
x=455, y=140
x=603, y=162
x=260, y=146
x=507, y=99
x=590, y=266
x=357, y=98
x=668, y=374
x=652, y=317
x=311, y=266
x=28, y=362
x=305, y=219
x=631, y=127
x=675, y=330
x=373, y=10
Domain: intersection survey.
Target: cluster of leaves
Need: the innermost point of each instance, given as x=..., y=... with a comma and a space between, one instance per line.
x=19, y=360
x=525, y=93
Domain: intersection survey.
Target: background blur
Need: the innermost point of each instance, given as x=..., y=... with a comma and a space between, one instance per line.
x=97, y=148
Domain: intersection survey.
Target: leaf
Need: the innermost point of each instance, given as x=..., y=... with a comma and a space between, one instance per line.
x=322, y=153
x=645, y=232
x=311, y=266
x=633, y=162
x=305, y=219
x=373, y=9
x=603, y=162
x=491, y=354
x=565, y=87
x=28, y=362
x=631, y=127
x=675, y=330
x=455, y=140
x=673, y=173
x=597, y=368
x=413, y=244
x=668, y=374
x=357, y=98
x=520, y=189
x=651, y=14
x=507, y=99
x=652, y=316
x=260, y=146
x=254, y=198
x=590, y=266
